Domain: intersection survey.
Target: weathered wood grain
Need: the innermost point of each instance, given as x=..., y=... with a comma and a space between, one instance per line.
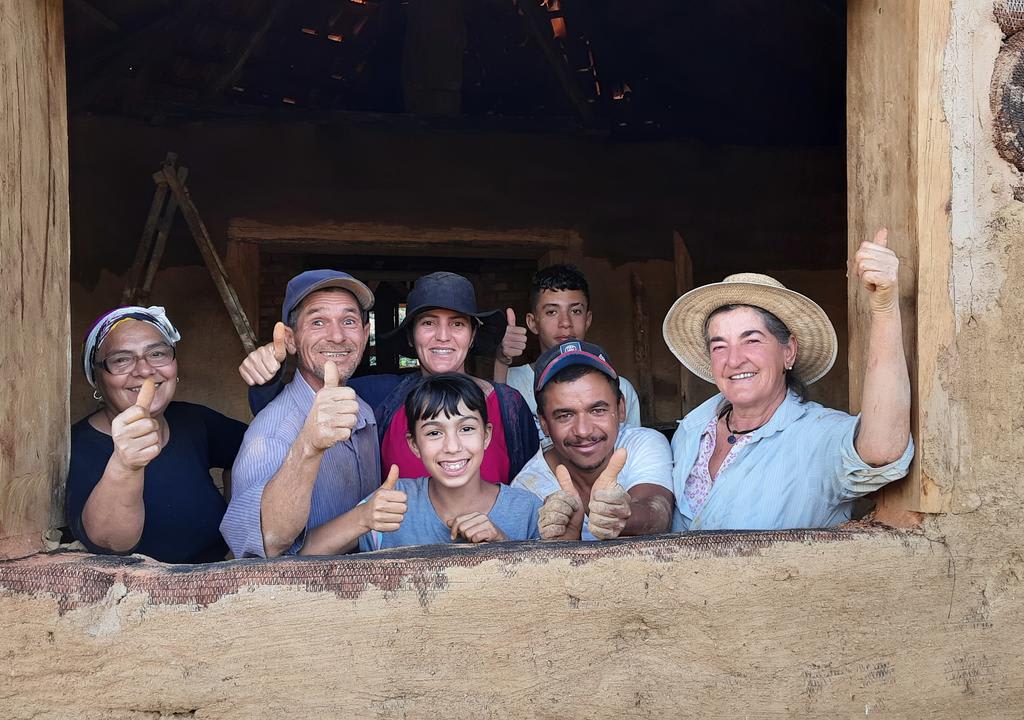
x=34, y=257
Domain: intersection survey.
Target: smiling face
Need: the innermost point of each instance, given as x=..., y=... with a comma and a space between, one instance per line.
x=582, y=419
x=747, y=361
x=442, y=339
x=559, y=315
x=452, y=448
x=128, y=339
x=328, y=326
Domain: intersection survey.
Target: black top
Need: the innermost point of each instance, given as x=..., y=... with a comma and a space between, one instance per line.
x=183, y=506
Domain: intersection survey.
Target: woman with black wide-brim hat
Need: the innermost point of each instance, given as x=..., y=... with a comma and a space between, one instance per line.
x=759, y=455
x=442, y=326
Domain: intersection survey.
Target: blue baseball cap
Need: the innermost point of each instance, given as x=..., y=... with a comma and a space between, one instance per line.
x=300, y=286
x=571, y=352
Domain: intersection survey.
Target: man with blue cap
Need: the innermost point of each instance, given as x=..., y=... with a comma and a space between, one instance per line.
x=312, y=453
x=600, y=479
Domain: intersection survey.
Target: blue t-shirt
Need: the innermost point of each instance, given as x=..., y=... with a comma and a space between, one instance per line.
x=183, y=506
x=514, y=512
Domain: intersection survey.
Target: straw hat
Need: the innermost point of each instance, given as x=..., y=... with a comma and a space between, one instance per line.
x=816, y=338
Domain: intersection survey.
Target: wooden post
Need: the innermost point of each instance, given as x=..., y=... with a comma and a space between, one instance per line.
x=684, y=283
x=435, y=42
x=899, y=176
x=212, y=260
x=242, y=264
x=35, y=246
x=642, y=347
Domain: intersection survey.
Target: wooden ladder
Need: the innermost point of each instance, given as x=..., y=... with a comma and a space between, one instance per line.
x=172, y=194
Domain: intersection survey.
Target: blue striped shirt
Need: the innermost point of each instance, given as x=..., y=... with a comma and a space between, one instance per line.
x=800, y=470
x=349, y=471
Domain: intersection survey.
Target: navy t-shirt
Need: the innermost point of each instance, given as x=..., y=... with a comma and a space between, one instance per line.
x=183, y=506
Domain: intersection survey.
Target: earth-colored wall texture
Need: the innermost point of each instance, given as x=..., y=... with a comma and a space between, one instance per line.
x=857, y=623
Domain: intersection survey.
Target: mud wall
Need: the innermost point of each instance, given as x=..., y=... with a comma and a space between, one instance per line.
x=766, y=209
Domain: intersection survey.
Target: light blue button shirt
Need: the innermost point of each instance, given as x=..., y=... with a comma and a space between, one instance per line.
x=349, y=471
x=798, y=471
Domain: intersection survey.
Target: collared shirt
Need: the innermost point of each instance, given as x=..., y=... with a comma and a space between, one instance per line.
x=349, y=471
x=522, y=378
x=648, y=460
x=800, y=470
x=699, y=483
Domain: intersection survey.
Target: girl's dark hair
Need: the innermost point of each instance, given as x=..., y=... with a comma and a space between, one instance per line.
x=436, y=394
x=778, y=330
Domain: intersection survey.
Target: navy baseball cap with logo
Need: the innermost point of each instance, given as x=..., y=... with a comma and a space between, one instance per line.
x=571, y=352
x=303, y=284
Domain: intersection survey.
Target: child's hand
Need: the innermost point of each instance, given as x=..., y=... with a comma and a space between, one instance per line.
x=477, y=528
x=561, y=515
x=386, y=508
x=609, y=502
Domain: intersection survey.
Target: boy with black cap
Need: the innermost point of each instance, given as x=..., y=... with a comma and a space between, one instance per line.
x=599, y=479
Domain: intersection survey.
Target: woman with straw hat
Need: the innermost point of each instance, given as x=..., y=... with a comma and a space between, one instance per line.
x=759, y=455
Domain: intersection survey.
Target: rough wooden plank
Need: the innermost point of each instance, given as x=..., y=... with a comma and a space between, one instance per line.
x=538, y=23
x=146, y=240
x=35, y=249
x=898, y=175
x=212, y=260
x=642, y=346
x=162, y=233
x=385, y=233
x=684, y=283
x=237, y=62
x=242, y=264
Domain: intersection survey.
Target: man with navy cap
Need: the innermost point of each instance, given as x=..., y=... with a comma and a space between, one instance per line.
x=312, y=453
x=600, y=479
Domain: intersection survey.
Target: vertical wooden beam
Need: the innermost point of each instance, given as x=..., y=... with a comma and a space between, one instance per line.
x=435, y=43
x=642, y=346
x=899, y=176
x=684, y=283
x=242, y=264
x=35, y=321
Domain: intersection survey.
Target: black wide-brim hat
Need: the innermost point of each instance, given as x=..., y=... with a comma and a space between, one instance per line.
x=448, y=291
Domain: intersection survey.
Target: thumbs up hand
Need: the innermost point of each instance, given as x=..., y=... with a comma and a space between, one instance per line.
x=386, y=508
x=609, y=502
x=262, y=364
x=334, y=413
x=136, y=435
x=878, y=269
x=561, y=515
x=514, y=342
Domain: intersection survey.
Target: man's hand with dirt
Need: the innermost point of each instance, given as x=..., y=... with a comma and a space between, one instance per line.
x=609, y=502
x=262, y=364
x=334, y=414
x=561, y=515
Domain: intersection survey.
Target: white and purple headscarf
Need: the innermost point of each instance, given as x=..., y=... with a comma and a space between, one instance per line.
x=153, y=315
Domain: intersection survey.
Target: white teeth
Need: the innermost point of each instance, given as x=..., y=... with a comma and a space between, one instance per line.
x=453, y=466
x=742, y=376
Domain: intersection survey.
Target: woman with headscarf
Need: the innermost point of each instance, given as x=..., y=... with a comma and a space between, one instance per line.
x=759, y=455
x=139, y=480
x=442, y=325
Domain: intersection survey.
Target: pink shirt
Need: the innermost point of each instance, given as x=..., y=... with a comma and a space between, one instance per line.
x=394, y=450
x=699, y=481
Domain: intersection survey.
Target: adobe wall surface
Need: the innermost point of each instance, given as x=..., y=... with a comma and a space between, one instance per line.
x=864, y=623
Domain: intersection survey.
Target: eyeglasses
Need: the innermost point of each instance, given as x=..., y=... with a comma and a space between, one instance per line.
x=123, y=363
